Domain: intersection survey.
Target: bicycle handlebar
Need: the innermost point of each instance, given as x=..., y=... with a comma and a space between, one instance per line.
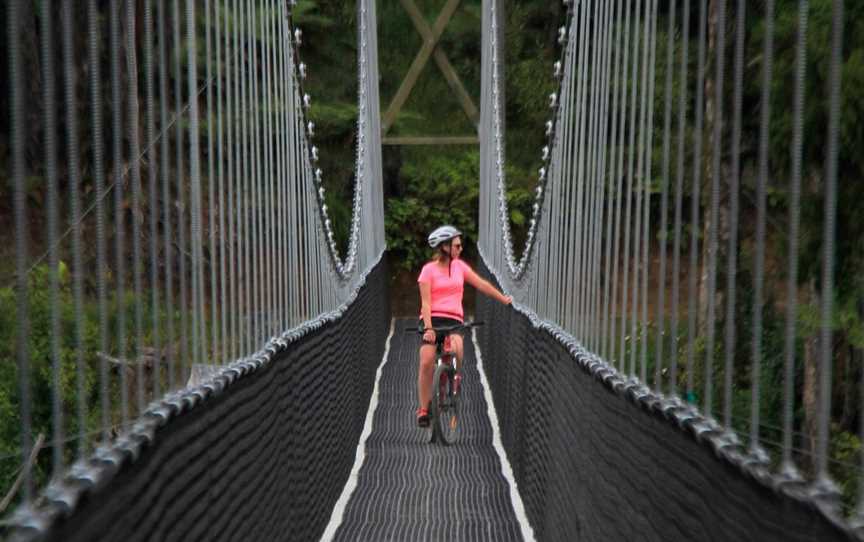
x=444, y=329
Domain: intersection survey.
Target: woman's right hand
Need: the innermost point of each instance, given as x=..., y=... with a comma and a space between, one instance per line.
x=429, y=336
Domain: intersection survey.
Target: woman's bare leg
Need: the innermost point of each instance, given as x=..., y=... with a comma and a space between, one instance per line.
x=425, y=373
x=458, y=348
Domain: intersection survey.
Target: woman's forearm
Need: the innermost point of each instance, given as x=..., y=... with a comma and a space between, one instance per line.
x=426, y=315
x=493, y=292
x=426, y=304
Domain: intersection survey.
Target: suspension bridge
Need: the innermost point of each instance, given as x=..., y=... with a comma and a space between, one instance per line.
x=212, y=368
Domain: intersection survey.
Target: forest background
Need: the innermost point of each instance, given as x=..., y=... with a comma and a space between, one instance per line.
x=430, y=185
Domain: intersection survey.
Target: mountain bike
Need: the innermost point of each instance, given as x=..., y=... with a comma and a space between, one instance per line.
x=444, y=422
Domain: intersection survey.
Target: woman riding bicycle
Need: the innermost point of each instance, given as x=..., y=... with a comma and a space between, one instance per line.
x=441, y=287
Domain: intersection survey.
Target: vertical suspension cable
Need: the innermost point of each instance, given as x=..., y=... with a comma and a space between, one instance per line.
x=640, y=186
x=261, y=262
x=298, y=166
x=647, y=176
x=153, y=197
x=597, y=177
x=167, y=200
x=182, y=251
x=714, y=223
x=732, y=252
x=296, y=179
x=211, y=180
x=283, y=166
x=302, y=155
x=311, y=215
x=16, y=140
x=135, y=164
x=825, y=346
x=759, y=263
x=191, y=207
x=628, y=206
x=583, y=162
x=279, y=155
x=679, y=194
x=664, y=200
x=270, y=244
x=222, y=344
x=590, y=184
x=250, y=192
x=74, y=176
x=319, y=265
x=49, y=113
x=231, y=36
x=286, y=107
x=255, y=181
x=564, y=195
x=95, y=83
x=607, y=159
x=293, y=162
x=619, y=190
x=591, y=200
x=293, y=253
x=788, y=464
x=278, y=171
x=290, y=162
x=610, y=267
x=119, y=260
x=600, y=188
x=695, y=204
x=600, y=177
x=267, y=168
x=556, y=185
x=243, y=187
x=579, y=224
x=552, y=176
x=196, y=239
x=577, y=194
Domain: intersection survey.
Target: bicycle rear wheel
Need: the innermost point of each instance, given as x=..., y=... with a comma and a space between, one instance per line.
x=446, y=424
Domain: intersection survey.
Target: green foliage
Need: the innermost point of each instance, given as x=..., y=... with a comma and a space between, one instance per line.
x=845, y=451
x=306, y=14
x=41, y=370
x=442, y=189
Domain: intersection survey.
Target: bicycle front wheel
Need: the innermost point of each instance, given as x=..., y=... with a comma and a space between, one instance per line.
x=445, y=405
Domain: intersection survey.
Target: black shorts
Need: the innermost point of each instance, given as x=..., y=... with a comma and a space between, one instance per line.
x=438, y=321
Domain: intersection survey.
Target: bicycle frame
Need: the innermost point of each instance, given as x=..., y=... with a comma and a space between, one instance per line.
x=444, y=355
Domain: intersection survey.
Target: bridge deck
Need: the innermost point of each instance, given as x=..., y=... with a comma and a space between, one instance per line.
x=408, y=489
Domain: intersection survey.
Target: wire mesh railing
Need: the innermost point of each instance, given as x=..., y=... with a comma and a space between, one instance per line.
x=163, y=211
x=695, y=221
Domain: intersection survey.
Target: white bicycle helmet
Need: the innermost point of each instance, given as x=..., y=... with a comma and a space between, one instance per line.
x=442, y=235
